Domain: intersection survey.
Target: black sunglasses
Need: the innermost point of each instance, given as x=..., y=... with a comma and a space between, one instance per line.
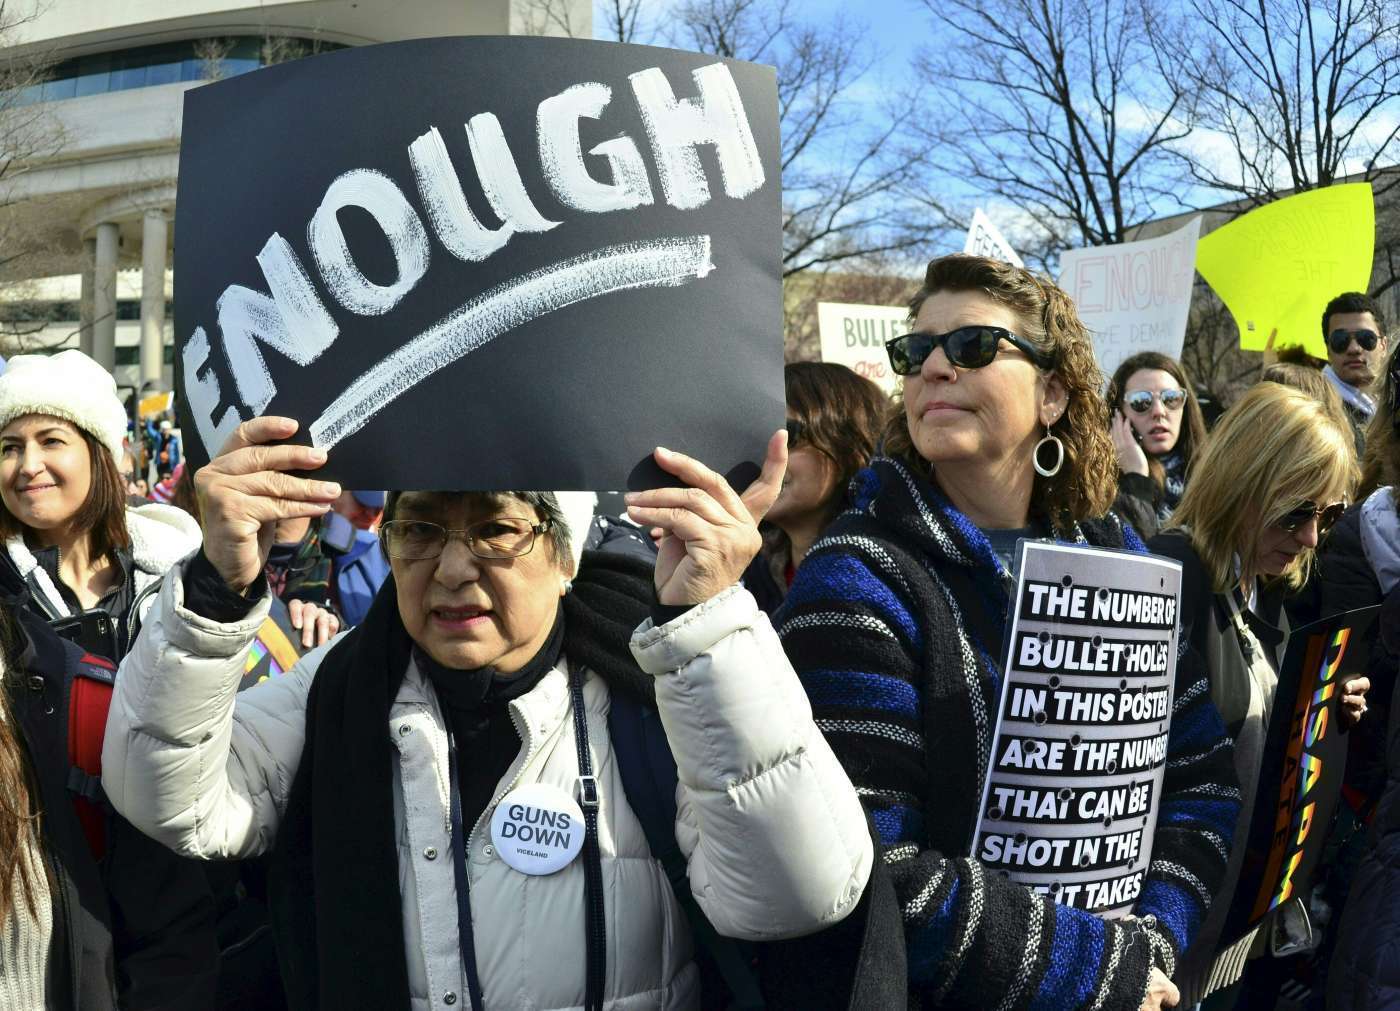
x=1141, y=400
x=1327, y=516
x=1339, y=340
x=967, y=347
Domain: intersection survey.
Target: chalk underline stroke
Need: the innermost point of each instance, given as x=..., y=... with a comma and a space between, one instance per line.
x=651, y=264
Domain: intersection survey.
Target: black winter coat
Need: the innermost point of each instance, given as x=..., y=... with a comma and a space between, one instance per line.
x=1344, y=582
x=1365, y=972
x=137, y=929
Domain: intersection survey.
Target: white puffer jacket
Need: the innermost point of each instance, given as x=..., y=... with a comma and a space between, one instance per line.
x=161, y=535
x=771, y=827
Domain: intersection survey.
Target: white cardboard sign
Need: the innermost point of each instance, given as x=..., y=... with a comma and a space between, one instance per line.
x=983, y=239
x=1080, y=751
x=1134, y=296
x=855, y=336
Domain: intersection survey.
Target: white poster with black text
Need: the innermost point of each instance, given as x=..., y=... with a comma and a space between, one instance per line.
x=1080, y=750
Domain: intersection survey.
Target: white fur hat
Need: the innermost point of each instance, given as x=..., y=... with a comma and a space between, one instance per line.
x=68, y=385
x=577, y=507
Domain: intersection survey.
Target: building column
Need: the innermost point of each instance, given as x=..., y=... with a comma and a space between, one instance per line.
x=85, y=313
x=153, y=237
x=104, y=296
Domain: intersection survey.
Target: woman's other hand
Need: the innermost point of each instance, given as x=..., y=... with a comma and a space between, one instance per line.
x=709, y=534
x=1354, y=700
x=1161, y=992
x=318, y=625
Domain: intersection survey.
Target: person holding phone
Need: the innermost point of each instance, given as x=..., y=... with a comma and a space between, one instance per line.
x=1157, y=426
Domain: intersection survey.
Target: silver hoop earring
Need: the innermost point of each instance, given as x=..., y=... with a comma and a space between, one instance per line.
x=1040, y=468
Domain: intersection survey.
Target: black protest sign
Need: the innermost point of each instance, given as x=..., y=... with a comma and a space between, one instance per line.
x=1300, y=778
x=485, y=263
x=1080, y=751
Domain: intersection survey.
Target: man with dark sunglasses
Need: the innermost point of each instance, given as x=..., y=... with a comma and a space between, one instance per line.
x=1354, y=329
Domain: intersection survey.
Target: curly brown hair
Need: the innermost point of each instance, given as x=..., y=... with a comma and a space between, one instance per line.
x=1085, y=485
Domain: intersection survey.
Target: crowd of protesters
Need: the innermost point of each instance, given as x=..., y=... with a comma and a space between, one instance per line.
x=769, y=710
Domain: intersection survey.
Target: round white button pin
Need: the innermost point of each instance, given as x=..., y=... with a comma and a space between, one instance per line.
x=537, y=829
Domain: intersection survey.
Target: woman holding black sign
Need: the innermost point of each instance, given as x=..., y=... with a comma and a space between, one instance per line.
x=1274, y=477
x=896, y=621
x=450, y=807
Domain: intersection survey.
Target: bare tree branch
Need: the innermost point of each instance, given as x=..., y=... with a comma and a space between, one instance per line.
x=845, y=185
x=1057, y=107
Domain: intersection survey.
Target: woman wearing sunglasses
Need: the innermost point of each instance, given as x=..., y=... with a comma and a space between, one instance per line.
x=834, y=422
x=1156, y=426
x=1271, y=481
x=895, y=623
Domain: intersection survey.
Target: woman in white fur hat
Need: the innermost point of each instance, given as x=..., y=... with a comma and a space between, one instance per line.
x=64, y=516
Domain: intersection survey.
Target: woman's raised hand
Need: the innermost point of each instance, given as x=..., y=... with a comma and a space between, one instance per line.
x=245, y=490
x=709, y=533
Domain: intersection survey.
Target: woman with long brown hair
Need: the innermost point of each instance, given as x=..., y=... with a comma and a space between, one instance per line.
x=92, y=913
x=63, y=514
x=834, y=418
x=92, y=564
x=1157, y=427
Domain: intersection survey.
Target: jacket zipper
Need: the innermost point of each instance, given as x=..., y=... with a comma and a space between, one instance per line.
x=60, y=880
x=529, y=754
x=133, y=620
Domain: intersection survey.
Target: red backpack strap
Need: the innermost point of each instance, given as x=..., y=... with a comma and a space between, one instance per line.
x=90, y=696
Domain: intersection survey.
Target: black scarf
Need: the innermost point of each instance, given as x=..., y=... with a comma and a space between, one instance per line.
x=476, y=706
x=337, y=913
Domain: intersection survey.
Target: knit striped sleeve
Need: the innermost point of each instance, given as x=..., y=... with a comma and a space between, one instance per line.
x=1196, y=819
x=973, y=939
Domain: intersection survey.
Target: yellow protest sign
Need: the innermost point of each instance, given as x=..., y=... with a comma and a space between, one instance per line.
x=1278, y=266
x=157, y=403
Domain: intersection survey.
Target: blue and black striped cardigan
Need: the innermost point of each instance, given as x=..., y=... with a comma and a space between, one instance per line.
x=894, y=623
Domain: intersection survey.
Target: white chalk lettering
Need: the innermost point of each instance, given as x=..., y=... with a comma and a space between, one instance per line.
x=202, y=391
x=293, y=322
x=375, y=193
x=676, y=128
x=561, y=154
x=452, y=219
